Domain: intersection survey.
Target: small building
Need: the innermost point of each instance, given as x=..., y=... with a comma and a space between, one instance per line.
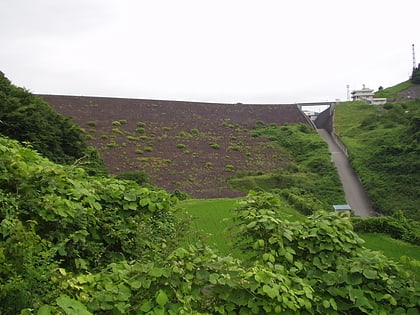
x=342, y=209
x=366, y=95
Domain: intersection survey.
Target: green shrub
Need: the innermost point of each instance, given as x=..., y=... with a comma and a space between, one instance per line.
x=91, y=123
x=181, y=146
x=132, y=138
x=117, y=130
x=112, y=144
x=140, y=130
x=148, y=149
x=180, y=195
x=229, y=168
x=139, y=177
x=214, y=145
x=183, y=134
x=397, y=226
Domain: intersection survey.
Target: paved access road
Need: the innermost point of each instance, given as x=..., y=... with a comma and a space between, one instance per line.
x=355, y=194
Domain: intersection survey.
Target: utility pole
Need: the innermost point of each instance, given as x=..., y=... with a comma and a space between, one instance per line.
x=414, y=58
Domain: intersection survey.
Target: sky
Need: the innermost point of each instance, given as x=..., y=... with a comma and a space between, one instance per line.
x=266, y=51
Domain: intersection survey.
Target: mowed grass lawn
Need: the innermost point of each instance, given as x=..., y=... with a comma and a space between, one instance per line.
x=211, y=219
x=393, y=249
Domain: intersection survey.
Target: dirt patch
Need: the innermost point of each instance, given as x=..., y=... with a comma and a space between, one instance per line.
x=410, y=93
x=194, y=147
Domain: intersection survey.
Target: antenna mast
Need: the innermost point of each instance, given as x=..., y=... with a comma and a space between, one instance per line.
x=414, y=58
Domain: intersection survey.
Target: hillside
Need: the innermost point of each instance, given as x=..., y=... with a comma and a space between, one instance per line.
x=383, y=142
x=193, y=147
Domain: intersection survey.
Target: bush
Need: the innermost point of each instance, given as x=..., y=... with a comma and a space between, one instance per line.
x=180, y=195
x=397, y=226
x=214, y=145
x=139, y=177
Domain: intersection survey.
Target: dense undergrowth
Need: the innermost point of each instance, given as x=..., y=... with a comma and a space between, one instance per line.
x=384, y=146
x=71, y=243
x=74, y=243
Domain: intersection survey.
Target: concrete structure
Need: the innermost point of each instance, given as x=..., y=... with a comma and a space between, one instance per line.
x=362, y=95
x=366, y=95
x=342, y=209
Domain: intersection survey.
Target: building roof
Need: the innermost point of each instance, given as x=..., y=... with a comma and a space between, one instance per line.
x=341, y=207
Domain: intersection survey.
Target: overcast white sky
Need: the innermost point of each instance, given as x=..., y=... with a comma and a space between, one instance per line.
x=265, y=51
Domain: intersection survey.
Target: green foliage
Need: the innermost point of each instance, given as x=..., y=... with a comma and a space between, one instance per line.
x=57, y=217
x=76, y=244
x=30, y=120
x=214, y=145
x=415, y=77
x=391, y=93
x=229, y=168
x=117, y=130
x=139, y=177
x=180, y=195
x=384, y=149
x=397, y=226
x=311, y=181
x=325, y=252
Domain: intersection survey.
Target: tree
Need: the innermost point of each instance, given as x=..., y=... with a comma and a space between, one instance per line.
x=415, y=77
x=28, y=119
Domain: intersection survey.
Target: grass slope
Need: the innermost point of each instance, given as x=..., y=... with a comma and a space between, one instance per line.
x=383, y=142
x=393, y=91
